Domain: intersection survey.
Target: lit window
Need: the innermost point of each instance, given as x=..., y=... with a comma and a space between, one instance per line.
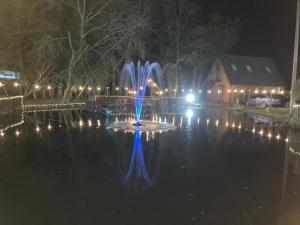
x=249, y=68
x=234, y=67
x=268, y=69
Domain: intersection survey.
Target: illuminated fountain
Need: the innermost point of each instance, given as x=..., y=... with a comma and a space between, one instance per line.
x=139, y=78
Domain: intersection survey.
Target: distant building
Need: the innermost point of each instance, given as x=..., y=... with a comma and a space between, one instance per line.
x=236, y=77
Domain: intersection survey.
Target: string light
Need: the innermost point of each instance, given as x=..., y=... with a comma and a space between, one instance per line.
x=17, y=133
x=37, y=86
x=37, y=129
x=261, y=132
x=49, y=87
x=16, y=84
x=1, y=84
x=49, y=126
x=2, y=134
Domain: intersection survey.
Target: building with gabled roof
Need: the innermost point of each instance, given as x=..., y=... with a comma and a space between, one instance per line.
x=235, y=77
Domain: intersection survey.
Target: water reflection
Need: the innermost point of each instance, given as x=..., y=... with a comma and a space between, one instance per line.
x=137, y=176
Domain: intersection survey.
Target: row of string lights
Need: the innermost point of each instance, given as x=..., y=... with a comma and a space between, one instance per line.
x=234, y=125
x=160, y=92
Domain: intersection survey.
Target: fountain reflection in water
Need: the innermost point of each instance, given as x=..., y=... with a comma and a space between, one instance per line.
x=137, y=176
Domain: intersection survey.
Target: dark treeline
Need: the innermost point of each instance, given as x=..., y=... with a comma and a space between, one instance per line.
x=85, y=42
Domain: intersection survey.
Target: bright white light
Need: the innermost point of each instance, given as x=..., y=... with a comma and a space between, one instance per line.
x=190, y=98
x=1, y=84
x=189, y=113
x=49, y=87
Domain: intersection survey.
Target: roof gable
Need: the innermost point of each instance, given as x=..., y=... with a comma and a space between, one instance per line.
x=256, y=71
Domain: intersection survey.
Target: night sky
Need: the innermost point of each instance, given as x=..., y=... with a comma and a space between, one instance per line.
x=267, y=28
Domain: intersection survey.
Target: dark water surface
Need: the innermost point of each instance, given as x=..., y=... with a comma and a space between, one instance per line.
x=200, y=173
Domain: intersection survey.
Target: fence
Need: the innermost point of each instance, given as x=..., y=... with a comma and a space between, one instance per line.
x=10, y=104
x=151, y=103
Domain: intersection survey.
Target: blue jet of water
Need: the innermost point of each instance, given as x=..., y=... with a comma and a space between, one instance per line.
x=137, y=175
x=139, y=79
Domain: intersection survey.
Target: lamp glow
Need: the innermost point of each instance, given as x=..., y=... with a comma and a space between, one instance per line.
x=190, y=98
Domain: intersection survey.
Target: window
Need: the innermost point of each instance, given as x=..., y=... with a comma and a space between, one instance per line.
x=268, y=69
x=249, y=68
x=234, y=67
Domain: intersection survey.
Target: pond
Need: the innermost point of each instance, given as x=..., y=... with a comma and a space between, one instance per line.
x=215, y=167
